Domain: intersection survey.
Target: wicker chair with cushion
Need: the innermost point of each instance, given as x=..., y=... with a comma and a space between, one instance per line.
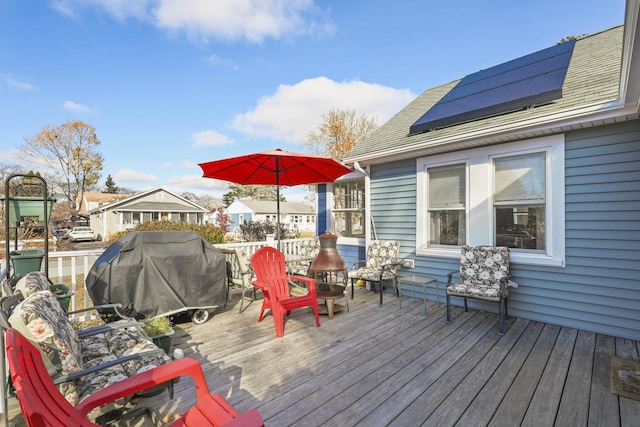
x=483, y=275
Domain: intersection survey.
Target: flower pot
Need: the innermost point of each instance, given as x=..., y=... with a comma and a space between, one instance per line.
x=164, y=341
x=63, y=295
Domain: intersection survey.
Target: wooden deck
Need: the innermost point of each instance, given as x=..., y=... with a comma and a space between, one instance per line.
x=378, y=366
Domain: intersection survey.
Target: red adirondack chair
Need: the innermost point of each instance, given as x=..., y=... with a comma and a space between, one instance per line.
x=271, y=277
x=43, y=405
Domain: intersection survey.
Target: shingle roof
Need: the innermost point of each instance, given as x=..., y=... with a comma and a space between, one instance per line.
x=593, y=77
x=105, y=197
x=158, y=207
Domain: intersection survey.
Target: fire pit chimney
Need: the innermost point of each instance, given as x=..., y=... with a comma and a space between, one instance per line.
x=328, y=259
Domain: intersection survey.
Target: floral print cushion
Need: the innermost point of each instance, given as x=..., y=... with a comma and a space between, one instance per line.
x=108, y=346
x=372, y=275
x=89, y=384
x=40, y=319
x=309, y=248
x=380, y=253
x=33, y=282
x=481, y=270
x=133, y=340
x=94, y=347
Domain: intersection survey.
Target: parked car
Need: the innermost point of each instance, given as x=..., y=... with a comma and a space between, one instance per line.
x=81, y=233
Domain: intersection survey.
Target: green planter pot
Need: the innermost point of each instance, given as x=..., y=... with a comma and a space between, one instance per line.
x=164, y=341
x=26, y=260
x=21, y=207
x=63, y=294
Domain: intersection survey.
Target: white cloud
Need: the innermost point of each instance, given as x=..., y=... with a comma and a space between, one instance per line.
x=218, y=61
x=252, y=20
x=187, y=164
x=209, y=138
x=129, y=175
x=119, y=9
x=16, y=84
x=76, y=108
x=295, y=110
x=198, y=182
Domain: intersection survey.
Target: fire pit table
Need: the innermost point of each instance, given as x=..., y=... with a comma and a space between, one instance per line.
x=329, y=293
x=330, y=272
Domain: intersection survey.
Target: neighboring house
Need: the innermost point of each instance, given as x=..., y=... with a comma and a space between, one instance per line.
x=548, y=165
x=292, y=214
x=157, y=204
x=89, y=201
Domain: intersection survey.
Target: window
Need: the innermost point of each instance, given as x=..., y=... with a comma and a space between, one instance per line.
x=504, y=195
x=519, y=201
x=348, y=207
x=446, y=205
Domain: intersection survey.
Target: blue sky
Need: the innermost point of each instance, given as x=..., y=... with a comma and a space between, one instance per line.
x=169, y=84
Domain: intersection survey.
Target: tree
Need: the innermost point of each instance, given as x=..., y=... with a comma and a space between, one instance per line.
x=223, y=220
x=68, y=151
x=110, y=186
x=259, y=192
x=339, y=132
x=6, y=170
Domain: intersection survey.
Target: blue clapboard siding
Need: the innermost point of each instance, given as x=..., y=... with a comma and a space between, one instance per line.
x=322, y=221
x=599, y=289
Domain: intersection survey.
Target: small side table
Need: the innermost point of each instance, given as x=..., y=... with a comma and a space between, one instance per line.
x=415, y=280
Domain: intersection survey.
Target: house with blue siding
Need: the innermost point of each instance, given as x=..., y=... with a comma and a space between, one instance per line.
x=295, y=215
x=540, y=154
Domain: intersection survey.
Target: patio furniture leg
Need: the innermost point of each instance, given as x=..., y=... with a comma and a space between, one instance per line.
x=501, y=314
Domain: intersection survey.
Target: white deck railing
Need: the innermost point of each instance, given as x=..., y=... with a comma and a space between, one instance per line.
x=72, y=267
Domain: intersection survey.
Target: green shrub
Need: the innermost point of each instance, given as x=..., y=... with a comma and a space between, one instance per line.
x=157, y=326
x=211, y=233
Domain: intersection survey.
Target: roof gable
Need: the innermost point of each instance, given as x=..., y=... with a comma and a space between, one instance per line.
x=146, y=201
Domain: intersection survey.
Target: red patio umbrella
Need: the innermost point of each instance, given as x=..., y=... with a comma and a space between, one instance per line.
x=275, y=167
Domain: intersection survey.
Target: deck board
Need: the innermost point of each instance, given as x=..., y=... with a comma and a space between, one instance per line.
x=603, y=407
x=378, y=366
x=543, y=407
x=444, y=401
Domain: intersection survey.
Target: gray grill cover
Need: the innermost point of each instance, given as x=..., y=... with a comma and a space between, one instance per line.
x=152, y=273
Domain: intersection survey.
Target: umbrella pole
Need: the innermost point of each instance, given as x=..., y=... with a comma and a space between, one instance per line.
x=278, y=202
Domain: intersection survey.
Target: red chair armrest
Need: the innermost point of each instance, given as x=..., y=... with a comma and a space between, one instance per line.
x=147, y=379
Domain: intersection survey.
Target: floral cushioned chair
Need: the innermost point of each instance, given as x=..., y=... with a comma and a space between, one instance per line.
x=307, y=250
x=381, y=264
x=119, y=350
x=483, y=275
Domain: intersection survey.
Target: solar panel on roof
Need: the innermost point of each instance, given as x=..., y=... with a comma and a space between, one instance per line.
x=530, y=80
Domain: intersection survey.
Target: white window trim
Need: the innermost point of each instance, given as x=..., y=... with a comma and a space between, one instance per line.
x=342, y=240
x=479, y=199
